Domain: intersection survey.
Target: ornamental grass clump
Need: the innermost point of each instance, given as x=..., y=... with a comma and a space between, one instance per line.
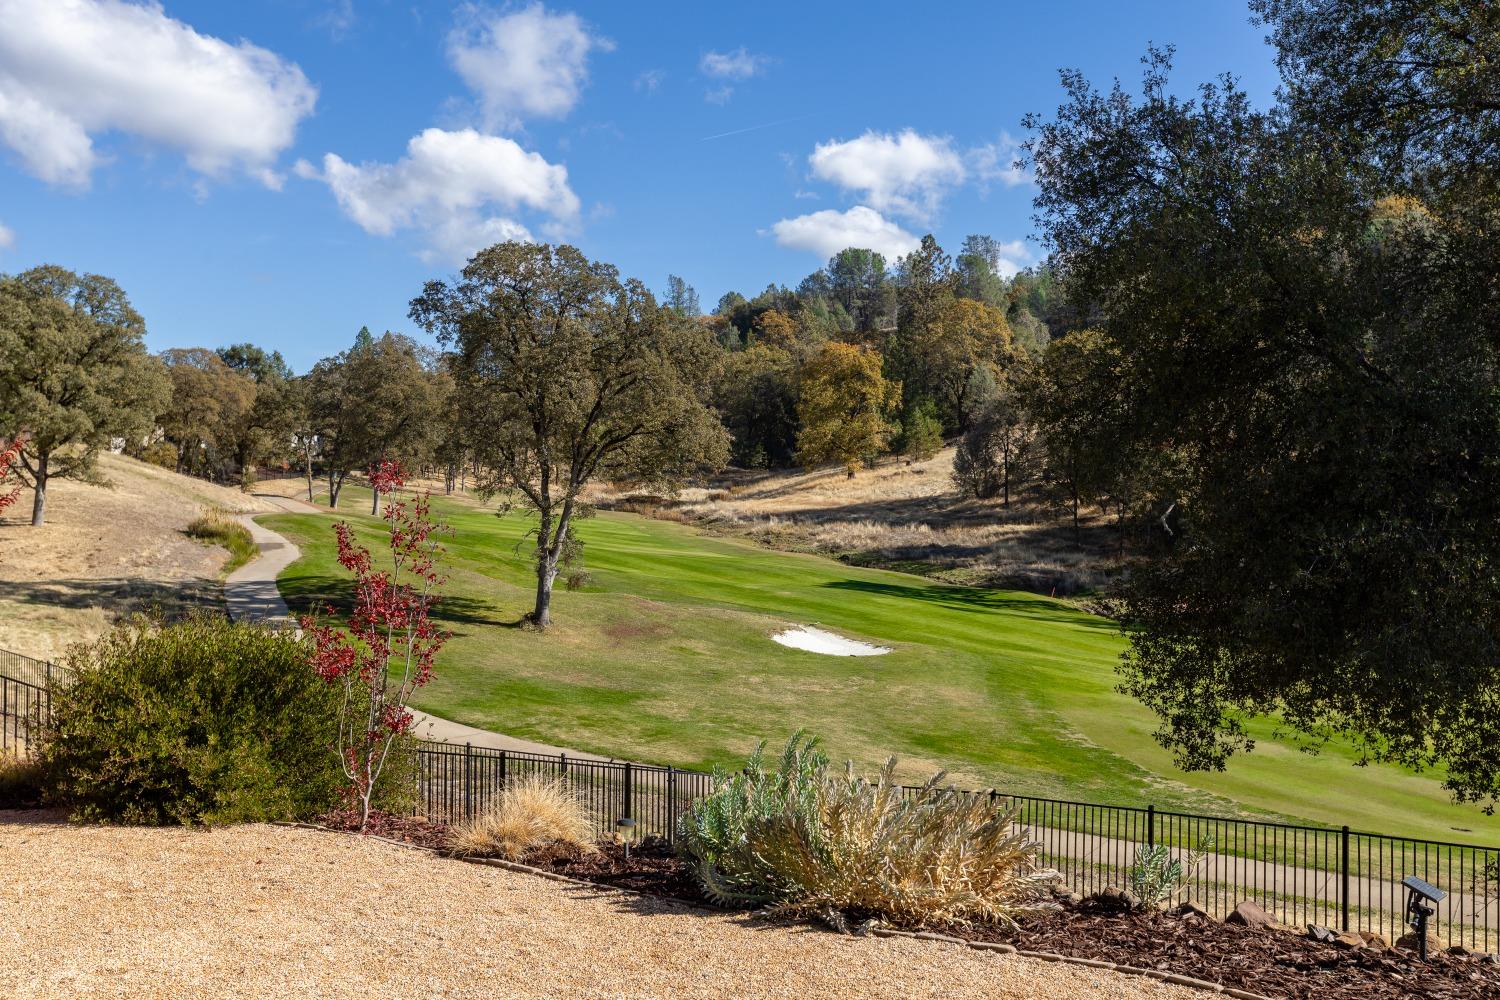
x=531, y=812
x=808, y=840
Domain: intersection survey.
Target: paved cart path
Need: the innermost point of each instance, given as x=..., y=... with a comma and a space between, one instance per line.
x=251, y=594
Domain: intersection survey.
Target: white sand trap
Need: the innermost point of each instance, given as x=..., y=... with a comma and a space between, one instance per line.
x=815, y=640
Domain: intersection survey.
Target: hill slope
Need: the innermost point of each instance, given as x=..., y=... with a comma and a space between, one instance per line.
x=106, y=552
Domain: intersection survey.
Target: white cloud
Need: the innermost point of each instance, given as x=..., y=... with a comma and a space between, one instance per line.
x=827, y=232
x=906, y=173
x=73, y=68
x=523, y=64
x=650, y=80
x=737, y=65
x=7, y=237
x=459, y=189
x=996, y=161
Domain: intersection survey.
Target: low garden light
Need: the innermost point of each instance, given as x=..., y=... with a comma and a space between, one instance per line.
x=1419, y=908
x=625, y=832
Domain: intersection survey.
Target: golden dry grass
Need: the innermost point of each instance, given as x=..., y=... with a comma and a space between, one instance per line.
x=902, y=515
x=106, y=552
x=533, y=811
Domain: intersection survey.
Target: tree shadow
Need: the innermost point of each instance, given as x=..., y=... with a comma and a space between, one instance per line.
x=168, y=599
x=978, y=600
x=313, y=594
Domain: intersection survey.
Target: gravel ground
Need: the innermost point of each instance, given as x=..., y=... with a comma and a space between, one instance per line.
x=260, y=911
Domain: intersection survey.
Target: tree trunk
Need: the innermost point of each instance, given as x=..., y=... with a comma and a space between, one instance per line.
x=335, y=480
x=307, y=455
x=39, y=494
x=374, y=500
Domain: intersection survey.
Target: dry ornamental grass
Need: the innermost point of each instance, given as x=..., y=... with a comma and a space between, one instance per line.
x=532, y=812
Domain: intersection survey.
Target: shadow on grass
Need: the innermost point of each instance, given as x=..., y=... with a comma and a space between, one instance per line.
x=311, y=594
x=976, y=599
x=170, y=600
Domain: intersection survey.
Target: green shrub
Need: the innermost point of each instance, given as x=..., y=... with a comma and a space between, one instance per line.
x=845, y=848
x=1156, y=876
x=199, y=721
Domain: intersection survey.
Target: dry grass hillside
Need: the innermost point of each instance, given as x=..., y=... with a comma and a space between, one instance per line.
x=901, y=515
x=107, y=551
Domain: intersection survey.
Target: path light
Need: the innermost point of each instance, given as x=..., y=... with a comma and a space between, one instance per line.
x=1418, y=910
x=625, y=833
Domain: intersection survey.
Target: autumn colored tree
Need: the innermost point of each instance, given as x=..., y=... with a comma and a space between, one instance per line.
x=775, y=329
x=385, y=650
x=845, y=407
x=7, y=460
x=568, y=374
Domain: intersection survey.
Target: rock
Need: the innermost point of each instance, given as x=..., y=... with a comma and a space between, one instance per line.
x=1193, y=910
x=1072, y=898
x=1459, y=951
x=1113, y=899
x=1374, y=940
x=1320, y=933
x=1248, y=914
x=1409, y=941
x=1348, y=939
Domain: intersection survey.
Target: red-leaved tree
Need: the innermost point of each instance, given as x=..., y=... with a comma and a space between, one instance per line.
x=385, y=650
x=7, y=461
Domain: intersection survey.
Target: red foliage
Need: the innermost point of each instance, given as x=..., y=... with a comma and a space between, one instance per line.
x=8, y=459
x=386, y=649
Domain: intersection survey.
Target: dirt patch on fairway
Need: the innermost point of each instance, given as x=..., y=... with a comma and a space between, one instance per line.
x=106, y=552
x=270, y=912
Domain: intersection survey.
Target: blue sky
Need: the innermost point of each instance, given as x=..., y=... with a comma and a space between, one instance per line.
x=287, y=171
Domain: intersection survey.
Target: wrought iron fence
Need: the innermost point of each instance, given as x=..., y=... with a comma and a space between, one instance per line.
x=1334, y=877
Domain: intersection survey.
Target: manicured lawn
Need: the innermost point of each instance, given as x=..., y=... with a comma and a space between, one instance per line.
x=665, y=656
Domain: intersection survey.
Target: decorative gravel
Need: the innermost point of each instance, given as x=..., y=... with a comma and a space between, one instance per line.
x=265, y=912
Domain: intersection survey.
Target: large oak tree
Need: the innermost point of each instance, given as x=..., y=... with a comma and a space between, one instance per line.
x=75, y=376
x=568, y=374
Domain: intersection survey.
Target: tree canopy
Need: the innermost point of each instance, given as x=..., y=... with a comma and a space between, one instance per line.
x=569, y=374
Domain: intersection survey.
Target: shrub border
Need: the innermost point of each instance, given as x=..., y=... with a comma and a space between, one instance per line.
x=1173, y=978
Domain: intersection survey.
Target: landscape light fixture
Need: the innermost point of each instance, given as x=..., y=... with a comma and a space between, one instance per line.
x=625, y=833
x=1419, y=908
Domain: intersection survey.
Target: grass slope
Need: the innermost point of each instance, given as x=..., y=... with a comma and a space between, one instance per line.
x=665, y=656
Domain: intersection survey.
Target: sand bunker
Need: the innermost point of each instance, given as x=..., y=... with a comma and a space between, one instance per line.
x=815, y=640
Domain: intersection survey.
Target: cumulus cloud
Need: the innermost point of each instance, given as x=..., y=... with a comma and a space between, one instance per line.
x=70, y=69
x=524, y=64
x=737, y=65
x=460, y=190
x=7, y=237
x=997, y=161
x=906, y=173
x=827, y=232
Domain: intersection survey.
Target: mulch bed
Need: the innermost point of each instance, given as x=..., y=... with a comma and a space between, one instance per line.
x=407, y=829
x=1275, y=963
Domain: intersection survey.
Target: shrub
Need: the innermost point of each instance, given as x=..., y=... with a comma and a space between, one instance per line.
x=20, y=782
x=199, y=721
x=921, y=432
x=1156, y=876
x=841, y=847
x=218, y=527
x=532, y=811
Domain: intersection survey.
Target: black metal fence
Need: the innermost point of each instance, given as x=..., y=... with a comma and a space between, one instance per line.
x=1333, y=877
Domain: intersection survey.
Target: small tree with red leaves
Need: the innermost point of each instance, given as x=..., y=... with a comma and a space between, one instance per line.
x=8, y=458
x=386, y=649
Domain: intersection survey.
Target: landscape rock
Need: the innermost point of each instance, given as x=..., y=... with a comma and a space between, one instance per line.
x=1250, y=914
x=1374, y=940
x=1409, y=941
x=1113, y=899
x=1348, y=939
x=1193, y=910
x=1318, y=933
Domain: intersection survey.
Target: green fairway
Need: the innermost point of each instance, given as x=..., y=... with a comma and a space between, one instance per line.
x=666, y=656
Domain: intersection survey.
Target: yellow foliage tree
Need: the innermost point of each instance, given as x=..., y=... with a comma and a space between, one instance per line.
x=775, y=328
x=844, y=407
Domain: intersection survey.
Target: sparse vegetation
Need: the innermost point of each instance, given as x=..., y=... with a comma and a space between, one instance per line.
x=217, y=526
x=531, y=812
x=844, y=848
x=1156, y=876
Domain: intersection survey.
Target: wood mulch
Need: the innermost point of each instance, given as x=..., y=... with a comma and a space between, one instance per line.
x=1275, y=963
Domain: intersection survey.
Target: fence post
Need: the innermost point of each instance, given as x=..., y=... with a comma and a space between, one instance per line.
x=468, y=781
x=1150, y=826
x=1344, y=879
x=502, y=769
x=671, y=804
x=629, y=781
x=562, y=761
